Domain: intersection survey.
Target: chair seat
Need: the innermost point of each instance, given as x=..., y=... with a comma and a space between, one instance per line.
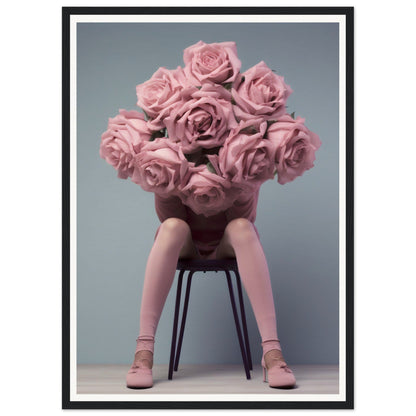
x=201, y=265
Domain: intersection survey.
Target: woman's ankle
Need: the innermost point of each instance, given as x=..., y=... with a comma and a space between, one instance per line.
x=145, y=343
x=143, y=358
x=271, y=344
x=272, y=357
x=143, y=355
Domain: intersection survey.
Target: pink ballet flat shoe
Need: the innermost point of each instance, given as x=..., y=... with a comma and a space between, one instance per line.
x=279, y=375
x=139, y=376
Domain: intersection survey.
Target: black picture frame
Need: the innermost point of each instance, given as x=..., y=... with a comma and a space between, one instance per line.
x=348, y=403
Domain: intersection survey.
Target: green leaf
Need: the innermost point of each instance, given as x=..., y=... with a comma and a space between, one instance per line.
x=228, y=85
x=157, y=135
x=233, y=101
x=249, y=130
x=146, y=117
x=292, y=115
x=211, y=168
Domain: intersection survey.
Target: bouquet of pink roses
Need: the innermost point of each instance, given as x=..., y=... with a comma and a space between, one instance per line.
x=208, y=133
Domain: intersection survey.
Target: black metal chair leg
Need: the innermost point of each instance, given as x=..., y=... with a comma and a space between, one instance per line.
x=183, y=321
x=237, y=325
x=175, y=324
x=243, y=319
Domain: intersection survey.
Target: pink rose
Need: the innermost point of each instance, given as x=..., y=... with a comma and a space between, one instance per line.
x=124, y=137
x=246, y=157
x=260, y=92
x=207, y=193
x=160, y=92
x=294, y=147
x=215, y=62
x=160, y=167
x=203, y=120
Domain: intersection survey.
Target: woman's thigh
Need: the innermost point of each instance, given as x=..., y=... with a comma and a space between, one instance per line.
x=225, y=249
x=239, y=230
x=189, y=250
x=177, y=232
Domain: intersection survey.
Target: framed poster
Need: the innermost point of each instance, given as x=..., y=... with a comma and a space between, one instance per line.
x=305, y=226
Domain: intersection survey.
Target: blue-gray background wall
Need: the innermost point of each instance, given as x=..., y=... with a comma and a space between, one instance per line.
x=297, y=222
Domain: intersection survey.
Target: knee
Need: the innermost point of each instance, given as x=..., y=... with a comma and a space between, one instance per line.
x=241, y=230
x=174, y=228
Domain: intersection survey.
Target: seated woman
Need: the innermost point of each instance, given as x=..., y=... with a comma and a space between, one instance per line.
x=183, y=234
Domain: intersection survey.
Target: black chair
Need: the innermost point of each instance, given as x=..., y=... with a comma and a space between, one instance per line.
x=193, y=266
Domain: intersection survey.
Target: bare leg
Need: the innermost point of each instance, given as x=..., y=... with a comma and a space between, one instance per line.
x=174, y=240
x=240, y=240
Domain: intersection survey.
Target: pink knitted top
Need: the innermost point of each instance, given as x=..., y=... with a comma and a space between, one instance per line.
x=206, y=231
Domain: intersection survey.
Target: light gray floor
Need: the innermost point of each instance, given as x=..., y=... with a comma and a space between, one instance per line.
x=206, y=379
